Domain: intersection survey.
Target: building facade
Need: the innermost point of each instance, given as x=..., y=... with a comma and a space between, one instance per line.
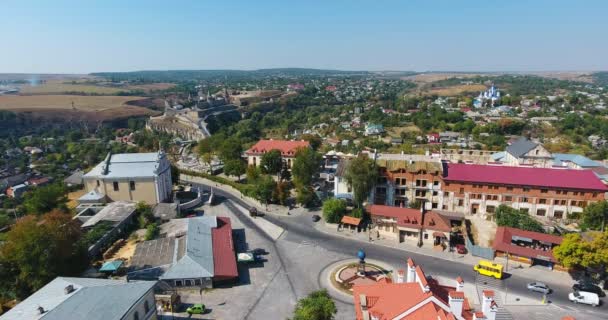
x=288, y=149
x=132, y=177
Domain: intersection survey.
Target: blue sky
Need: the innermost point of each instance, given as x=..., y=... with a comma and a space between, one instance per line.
x=477, y=35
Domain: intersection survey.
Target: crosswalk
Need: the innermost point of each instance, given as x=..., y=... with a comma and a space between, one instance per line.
x=486, y=283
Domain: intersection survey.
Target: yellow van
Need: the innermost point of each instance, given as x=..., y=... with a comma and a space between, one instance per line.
x=489, y=269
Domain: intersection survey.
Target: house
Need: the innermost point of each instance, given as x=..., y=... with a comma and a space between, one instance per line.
x=449, y=137
x=574, y=161
x=92, y=299
x=530, y=247
x=195, y=253
x=132, y=177
x=542, y=192
x=525, y=152
x=414, y=296
x=432, y=138
x=341, y=188
x=413, y=226
x=287, y=148
x=373, y=129
x=16, y=191
x=38, y=181
x=75, y=179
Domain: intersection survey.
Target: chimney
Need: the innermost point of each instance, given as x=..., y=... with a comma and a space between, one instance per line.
x=68, y=289
x=411, y=271
x=459, y=284
x=488, y=306
x=363, y=302
x=40, y=310
x=400, y=276
x=456, y=302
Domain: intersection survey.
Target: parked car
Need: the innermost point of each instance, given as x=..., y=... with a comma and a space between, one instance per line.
x=253, y=212
x=196, y=309
x=588, y=287
x=316, y=218
x=589, y=298
x=461, y=249
x=539, y=287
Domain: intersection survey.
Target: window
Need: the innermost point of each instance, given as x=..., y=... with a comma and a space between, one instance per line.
x=575, y=193
x=435, y=193
x=146, y=306
x=115, y=185
x=509, y=188
x=526, y=189
x=595, y=194
x=426, y=236
x=523, y=199
x=544, y=190
x=490, y=209
x=508, y=198
x=435, y=183
x=558, y=214
x=541, y=212
x=434, y=205
x=400, y=192
x=98, y=184
x=189, y=283
x=460, y=202
x=446, y=194
x=542, y=201
x=461, y=190
x=197, y=282
x=524, y=210
x=178, y=283
x=136, y=316
x=132, y=185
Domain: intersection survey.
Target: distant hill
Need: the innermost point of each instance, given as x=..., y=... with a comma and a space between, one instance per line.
x=601, y=78
x=186, y=75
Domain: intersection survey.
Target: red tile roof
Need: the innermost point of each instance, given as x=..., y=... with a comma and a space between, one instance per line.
x=287, y=148
x=536, y=177
x=502, y=242
x=351, y=220
x=404, y=216
x=436, y=221
x=224, y=256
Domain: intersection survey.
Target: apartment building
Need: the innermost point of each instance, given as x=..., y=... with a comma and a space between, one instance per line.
x=542, y=192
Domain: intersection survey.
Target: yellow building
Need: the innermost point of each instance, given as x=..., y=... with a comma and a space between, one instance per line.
x=130, y=177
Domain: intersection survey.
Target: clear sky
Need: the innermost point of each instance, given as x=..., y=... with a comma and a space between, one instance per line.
x=477, y=35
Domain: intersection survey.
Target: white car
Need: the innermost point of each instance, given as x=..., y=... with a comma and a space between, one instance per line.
x=584, y=297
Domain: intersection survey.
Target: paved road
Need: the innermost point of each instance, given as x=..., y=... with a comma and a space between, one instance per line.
x=300, y=229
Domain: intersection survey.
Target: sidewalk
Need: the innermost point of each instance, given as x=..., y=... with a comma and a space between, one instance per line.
x=526, y=272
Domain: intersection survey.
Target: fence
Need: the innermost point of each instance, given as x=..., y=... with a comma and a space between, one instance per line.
x=478, y=251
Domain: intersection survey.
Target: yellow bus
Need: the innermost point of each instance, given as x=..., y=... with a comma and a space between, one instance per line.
x=489, y=269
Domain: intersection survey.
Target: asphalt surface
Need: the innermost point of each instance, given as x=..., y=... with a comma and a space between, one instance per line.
x=300, y=228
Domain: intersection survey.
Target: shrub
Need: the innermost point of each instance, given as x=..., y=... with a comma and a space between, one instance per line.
x=333, y=210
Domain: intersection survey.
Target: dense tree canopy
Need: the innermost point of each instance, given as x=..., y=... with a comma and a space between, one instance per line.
x=577, y=251
x=509, y=217
x=316, y=306
x=44, y=199
x=306, y=166
x=333, y=210
x=271, y=162
x=595, y=215
x=361, y=175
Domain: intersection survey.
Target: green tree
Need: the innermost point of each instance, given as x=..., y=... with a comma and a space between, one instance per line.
x=145, y=214
x=231, y=149
x=44, y=199
x=314, y=140
x=357, y=213
x=510, y=217
x=235, y=167
x=305, y=195
x=264, y=188
x=152, y=231
x=271, y=162
x=333, y=210
x=38, y=249
x=253, y=174
x=316, y=306
x=590, y=251
x=595, y=216
x=207, y=159
x=361, y=174
x=281, y=193
x=306, y=166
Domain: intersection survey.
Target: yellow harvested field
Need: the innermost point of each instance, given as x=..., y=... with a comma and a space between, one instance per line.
x=60, y=86
x=455, y=90
x=432, y=77
x=396, y=131
x=82, y=103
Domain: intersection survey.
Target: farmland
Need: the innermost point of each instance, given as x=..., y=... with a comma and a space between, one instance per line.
x=61, y=86
x=82, y=103
x=455, y=90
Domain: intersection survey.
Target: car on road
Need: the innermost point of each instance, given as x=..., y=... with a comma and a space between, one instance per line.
x=253, y=212
x=588, y=287
x=461, y=249
x=589, y=298
x=539, y=287
x=316, y=218
x=196, y=309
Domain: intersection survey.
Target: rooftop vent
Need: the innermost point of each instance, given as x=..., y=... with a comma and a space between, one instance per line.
x=68, y=289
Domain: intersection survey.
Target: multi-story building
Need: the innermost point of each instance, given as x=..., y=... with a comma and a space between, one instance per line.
x=287, y=148
x=131, y=177
x=543, y=192
x=405, y=179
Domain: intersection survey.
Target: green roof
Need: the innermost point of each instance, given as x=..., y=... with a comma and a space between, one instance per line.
x=111, y=266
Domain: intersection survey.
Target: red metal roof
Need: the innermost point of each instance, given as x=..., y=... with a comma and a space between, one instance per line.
x=287, y=148
x=504, y=235
x=537, y=177
x=224, y=256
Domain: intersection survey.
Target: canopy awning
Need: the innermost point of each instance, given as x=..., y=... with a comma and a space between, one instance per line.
x=111, y=266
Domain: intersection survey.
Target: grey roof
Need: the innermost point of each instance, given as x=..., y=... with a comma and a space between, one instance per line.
x=128, y=165
x=498, y=156
x=582, y=161
x=92, y=195
x=75, y=178
x=165, y=211
x=196, y=260
x=92, y=299
x=520, y=147
x=113, y=212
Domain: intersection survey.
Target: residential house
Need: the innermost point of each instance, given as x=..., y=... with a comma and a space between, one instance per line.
x=542, y=192
x=132, y=177
x=287, y=148
x=525, y=152
x=450, y=138
x=194, y=253
x=414, y=296
x=92, y=299
x=433, y=138
x=373, y=129
x=533, y=248
x=16, y=191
